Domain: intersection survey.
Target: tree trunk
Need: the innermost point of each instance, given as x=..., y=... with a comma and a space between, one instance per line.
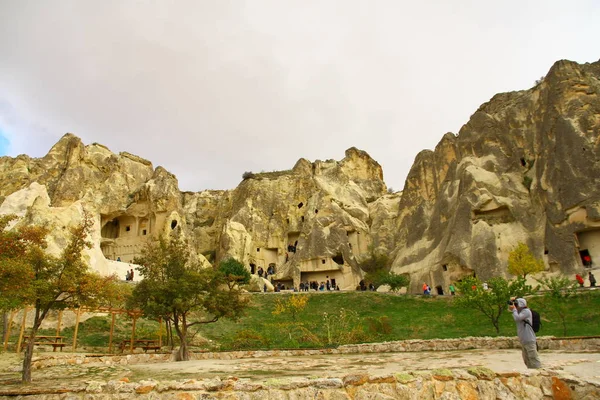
x=37, y=322
x=26, y=376
x=183, y=353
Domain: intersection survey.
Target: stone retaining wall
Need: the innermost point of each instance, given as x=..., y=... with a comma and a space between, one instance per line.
x=474, y=383
x=546, y=342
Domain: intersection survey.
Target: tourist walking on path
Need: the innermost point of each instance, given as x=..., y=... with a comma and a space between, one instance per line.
x=452, y=289
x=524, y=321
x=579, y=280
x=592, y=279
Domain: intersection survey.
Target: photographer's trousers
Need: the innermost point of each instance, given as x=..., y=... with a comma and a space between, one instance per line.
x=530, y=355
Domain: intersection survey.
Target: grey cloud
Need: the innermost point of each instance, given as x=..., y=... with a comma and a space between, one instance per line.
x=212, y=89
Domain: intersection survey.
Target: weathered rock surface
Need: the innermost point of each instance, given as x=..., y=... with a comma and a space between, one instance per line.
x=524, y=168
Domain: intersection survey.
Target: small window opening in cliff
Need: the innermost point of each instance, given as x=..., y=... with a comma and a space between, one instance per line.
x=144, y=232
x=445, y=267
x=322, y=261
x=302, y=218
x=287, y=220
x=338, y=259
x=546, y=252
x=440, y=290
x=174, y=224
x=316, y=211
x=258, y=249
x=523, y=162
x=127, y=228
x=300, y=204
x=252, y=269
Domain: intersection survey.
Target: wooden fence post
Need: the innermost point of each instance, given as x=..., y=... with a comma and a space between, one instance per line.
x=76, y=329
x=112, y=329
x=12, y=316
x=132, y=333
x=59, y=322
x=25, y=311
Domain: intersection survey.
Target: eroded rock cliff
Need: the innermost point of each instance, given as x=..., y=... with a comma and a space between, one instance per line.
x=525, y=168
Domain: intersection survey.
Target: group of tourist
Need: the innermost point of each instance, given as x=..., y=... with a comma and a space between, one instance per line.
x=581, y=281
x=264, y=274
x=129, y=275
x=363, y=287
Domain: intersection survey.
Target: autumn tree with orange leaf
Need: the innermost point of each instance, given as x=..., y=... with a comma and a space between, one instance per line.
x=31, y=277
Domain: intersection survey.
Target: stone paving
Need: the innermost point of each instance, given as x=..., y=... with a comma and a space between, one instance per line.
x=585, y=365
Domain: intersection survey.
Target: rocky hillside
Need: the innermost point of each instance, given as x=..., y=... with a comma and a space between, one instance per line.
x=524, y=168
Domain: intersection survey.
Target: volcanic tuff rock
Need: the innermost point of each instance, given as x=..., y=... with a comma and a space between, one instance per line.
x=524, y=168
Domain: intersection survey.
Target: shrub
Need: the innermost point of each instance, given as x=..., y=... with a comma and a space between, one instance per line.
x=248, y=339
x=248, y=175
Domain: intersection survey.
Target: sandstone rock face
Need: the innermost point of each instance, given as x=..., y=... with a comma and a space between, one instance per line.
x=524, y=168
x=306, y=224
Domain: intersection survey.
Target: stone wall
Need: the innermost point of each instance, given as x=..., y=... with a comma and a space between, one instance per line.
x=473, y=383
x=545, y=343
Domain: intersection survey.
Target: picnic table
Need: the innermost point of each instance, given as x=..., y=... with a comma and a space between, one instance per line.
x=46, y=340
x=146, y=344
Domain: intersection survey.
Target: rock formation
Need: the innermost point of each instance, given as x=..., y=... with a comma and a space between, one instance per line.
x=525, y=168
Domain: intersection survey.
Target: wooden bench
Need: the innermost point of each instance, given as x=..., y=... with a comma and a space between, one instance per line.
x=54, y=341
x=151, y=347
x=145, y=344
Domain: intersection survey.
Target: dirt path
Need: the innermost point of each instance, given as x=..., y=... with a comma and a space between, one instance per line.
x=583, y=365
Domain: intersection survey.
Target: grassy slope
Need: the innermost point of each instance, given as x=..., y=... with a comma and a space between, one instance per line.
x=408, y=317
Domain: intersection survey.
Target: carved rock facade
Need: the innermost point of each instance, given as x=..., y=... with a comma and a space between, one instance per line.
x=525, y=168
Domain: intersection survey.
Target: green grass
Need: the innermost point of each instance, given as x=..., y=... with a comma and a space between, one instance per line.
x=371, y=317
x=404, y=317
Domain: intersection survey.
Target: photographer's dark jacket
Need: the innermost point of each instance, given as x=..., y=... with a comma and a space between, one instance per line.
x=524, y=330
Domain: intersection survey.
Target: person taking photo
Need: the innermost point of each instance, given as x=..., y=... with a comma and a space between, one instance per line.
x=524, y=320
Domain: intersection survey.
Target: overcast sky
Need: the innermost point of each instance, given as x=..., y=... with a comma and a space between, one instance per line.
x=211, y=89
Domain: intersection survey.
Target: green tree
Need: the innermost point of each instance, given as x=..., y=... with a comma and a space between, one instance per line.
x=176, y=288
x=492, y=302
x=29, y=276
x=522, y=262
x=396, y=281
x=393, y=280
x=554, y=300
x=234, y=272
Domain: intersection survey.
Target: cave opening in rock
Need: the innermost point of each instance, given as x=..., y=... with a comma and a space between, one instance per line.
x=111, y=229
x=174, y=224
x=338, y=259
